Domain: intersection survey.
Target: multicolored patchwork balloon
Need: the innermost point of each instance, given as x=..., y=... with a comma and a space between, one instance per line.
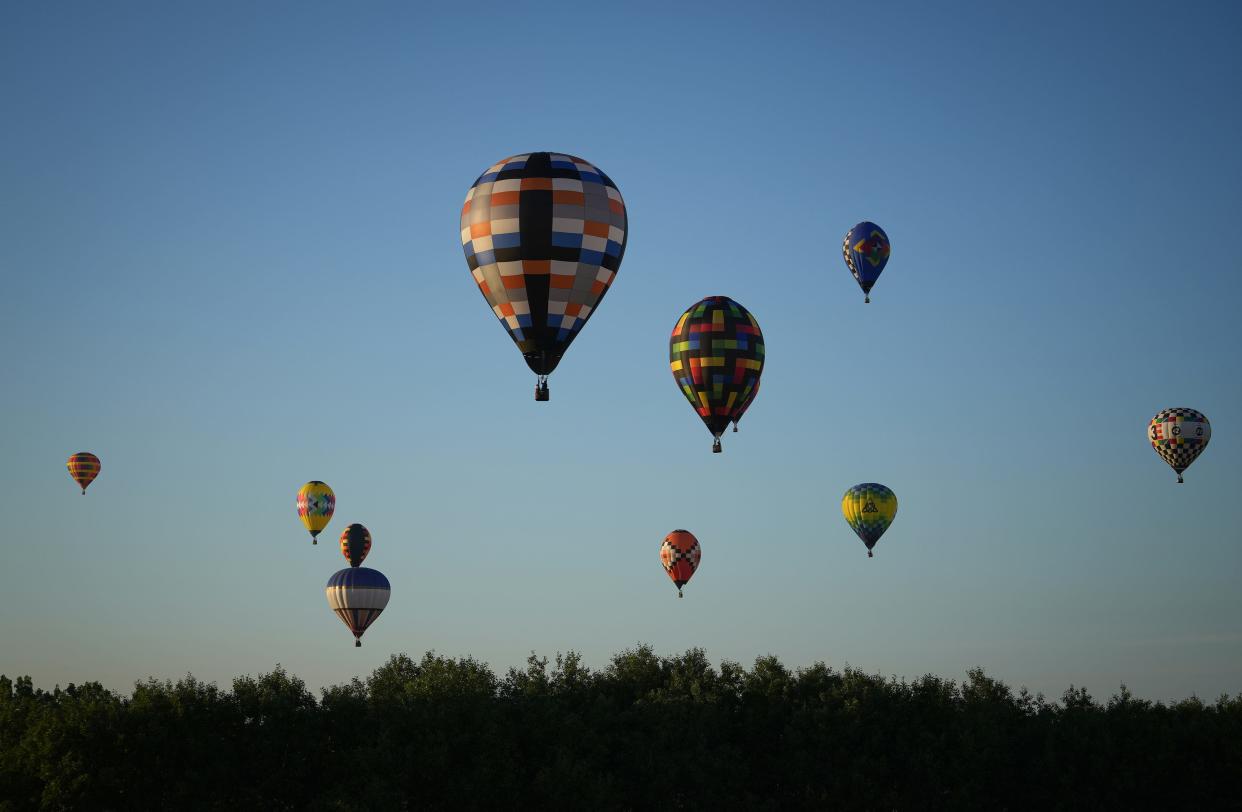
x=1179, y=436
x=716, y=354
x=83, y=467
x=866, y=249
x=544, y=234
x=316, y=503
x=680, y=554
x=869, y=509
x=358, y=595
x=355, y=544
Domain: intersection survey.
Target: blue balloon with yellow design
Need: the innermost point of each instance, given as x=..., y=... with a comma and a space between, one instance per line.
x=869, y=509
x=866, y=249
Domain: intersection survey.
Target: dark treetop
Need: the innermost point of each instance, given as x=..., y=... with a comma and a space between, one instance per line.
x=646, y=732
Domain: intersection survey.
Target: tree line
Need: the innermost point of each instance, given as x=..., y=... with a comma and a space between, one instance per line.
x=645, y=732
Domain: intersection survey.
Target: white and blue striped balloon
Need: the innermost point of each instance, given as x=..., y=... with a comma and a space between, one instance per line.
x=358, y=595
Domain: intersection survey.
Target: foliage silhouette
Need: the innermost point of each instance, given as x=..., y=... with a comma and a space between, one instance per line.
x=646, y=731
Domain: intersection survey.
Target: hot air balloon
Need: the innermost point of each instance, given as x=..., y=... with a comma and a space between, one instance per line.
x=869, y=509
x=83, y=467
x=745, y=404
x=544, y=234
x=316, y=502
x=1179, y=436
x=680, y=554
x=355, y=544
x=716, y=354
x=866, y=249
x=358, y=595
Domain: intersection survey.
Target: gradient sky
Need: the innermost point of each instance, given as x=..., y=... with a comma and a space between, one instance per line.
x=231, y=264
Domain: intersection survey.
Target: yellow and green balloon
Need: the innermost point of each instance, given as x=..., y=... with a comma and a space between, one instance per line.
x=869, y=509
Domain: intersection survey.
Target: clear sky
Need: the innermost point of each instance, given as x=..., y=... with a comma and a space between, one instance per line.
x=231, y=264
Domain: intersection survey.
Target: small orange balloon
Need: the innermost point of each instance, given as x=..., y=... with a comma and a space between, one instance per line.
x=83, y=467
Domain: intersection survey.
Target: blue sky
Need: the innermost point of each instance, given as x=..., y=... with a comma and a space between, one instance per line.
x=228, y=241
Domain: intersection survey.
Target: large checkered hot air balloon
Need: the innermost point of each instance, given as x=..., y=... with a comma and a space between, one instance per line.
x=716, y=354
x=316, y=503
x=83, y=467
x=869, y=509
x=866, y=249
x=679, y=555
x=544, y=234
x=1179, y=436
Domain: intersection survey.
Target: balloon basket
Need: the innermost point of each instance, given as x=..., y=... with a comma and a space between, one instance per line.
x=357, y=644
x=716, y=446
x=870, y=554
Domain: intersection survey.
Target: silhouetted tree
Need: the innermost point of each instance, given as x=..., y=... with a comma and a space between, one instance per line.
x=646, y=731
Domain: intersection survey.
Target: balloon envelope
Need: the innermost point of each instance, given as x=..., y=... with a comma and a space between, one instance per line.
x=869, y=509
x=83, y=467
x=716, y=353
x=1179, y=436
x=358, y=595
x=316, y=503
x=866, y=249
x=544, y=234
x=680, y=555
x=355, y=544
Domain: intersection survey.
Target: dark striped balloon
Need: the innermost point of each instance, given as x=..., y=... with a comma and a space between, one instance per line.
x=355, y=544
